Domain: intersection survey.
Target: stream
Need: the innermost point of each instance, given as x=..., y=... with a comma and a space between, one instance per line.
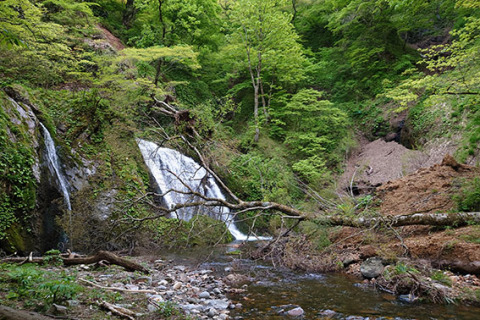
x=272, y=291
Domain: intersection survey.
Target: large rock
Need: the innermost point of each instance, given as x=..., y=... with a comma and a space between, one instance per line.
x=372, y=267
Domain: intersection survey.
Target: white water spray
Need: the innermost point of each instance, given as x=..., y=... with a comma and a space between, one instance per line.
x=177, y=176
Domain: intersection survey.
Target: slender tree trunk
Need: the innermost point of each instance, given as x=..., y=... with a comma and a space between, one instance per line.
x=158, y=72
x=294, y=16
x=129, y=13
x=264, y=102
x=255, y=112
x=162, y=21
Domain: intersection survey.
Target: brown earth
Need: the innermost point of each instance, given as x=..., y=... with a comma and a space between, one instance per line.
x=111, y=39
x=427, y=190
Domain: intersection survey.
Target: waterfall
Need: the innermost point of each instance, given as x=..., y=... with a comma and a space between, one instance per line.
x=54, y=166
x=174, y=171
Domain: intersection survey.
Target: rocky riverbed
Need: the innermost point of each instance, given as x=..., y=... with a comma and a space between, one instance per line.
x=195, y=292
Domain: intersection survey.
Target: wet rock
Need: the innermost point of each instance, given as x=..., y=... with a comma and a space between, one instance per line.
x=327, y=313
x=296, y=312
x=408, y=298
x=372, y=267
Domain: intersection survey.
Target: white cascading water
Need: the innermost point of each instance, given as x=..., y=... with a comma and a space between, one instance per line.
x=177, y=176
x=54, y=166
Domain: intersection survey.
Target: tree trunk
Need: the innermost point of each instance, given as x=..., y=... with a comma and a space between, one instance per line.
x=162, y=21
x=255, y=112
x=457, y=219
x=129, y=13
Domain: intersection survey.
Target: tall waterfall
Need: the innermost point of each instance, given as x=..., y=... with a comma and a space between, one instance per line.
x=174, y=171
x=54, y=166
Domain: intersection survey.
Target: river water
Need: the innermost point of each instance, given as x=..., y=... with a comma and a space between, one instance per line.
x=271, y=290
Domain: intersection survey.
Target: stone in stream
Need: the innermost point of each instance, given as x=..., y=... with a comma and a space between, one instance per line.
x=296, y=312
x=409, y=298
x=219, y=304
x=327, y=313
x=372, y=267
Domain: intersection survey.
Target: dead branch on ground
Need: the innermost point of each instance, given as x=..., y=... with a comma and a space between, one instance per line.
x=100, y=256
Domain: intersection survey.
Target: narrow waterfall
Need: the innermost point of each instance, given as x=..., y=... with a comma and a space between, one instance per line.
x=177, y=175
x=54, y=166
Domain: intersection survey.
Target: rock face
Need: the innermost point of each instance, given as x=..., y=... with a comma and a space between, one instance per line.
x=22, y=123
x=372, y=267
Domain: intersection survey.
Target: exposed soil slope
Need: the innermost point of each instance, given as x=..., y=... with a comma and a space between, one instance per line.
x=426, y=190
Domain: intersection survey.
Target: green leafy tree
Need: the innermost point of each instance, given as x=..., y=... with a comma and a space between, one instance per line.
x=264, y=43
x=172, y=22
x=314, y=130
x=165, y=57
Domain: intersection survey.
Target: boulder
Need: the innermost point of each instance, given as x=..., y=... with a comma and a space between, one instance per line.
x=372, y=267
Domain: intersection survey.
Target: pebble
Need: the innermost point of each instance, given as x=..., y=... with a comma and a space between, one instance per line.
x=217, y=291
x=296, y=312
x=212, y=312
x=163, y=282
x=180, y=268
x=177, y=285
x=204, y=295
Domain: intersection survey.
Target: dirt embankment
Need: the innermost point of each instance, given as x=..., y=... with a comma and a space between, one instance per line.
x=400, y=183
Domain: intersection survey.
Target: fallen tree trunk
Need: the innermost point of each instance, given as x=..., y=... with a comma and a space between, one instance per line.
x=100, y=256
x=7, y=313
x=456, y=219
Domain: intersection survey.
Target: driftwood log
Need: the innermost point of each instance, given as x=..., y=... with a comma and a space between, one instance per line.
x=100, y=256
x=7, y=313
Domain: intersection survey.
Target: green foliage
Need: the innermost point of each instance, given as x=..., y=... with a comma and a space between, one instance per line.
x=39, y=40
x=255, y=177
x=441, y=277
x=36, y=287
x=316, y=233
x=194, y=22
x=468, y=198
x=199, y=231
x=17, y=183
x=315, y=140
